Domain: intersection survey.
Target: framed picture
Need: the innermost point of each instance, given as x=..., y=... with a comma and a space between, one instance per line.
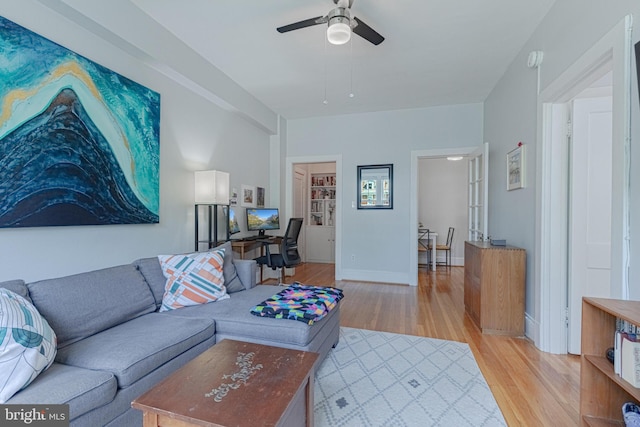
x=260, y=197
x=515, y=168
x=248, y=196
x=375, y=187
x=233, y=200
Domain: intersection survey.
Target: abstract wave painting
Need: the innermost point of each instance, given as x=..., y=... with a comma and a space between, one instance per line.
x=79, y=143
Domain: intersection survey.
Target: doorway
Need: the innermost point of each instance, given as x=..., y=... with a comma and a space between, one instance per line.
x=442, y=203
x=590, y=180
x=313, y=189
x=470, y=153
x=556, y=187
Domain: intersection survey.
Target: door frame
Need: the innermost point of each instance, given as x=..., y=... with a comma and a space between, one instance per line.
x=550, y=261
x=288, y=206
x=302, y=239
x=413, y=200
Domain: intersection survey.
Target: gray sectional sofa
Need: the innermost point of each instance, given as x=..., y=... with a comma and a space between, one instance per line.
x=113, y=344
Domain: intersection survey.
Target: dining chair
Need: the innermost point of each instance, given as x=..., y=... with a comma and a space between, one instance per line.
x=424, y=234
x=446, y=248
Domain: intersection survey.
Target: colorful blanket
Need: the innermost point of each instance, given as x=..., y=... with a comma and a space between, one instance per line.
x=305, y=303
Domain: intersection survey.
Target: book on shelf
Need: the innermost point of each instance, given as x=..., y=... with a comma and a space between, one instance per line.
x=626, y=350
x=630, y=360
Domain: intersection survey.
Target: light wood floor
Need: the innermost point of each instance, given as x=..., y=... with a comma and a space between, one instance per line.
x=532, y=388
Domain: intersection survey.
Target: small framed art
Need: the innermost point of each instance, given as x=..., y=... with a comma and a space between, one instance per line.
x=248, y=196
x=516, y=168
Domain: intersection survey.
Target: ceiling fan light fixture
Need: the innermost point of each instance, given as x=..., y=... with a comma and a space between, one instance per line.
x=339, y=30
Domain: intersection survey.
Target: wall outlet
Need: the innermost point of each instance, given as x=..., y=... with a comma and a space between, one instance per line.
x=353, y=257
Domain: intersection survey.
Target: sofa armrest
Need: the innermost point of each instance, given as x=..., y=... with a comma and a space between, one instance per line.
x=247, y=269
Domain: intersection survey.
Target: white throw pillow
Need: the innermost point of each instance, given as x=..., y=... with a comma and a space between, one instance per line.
x=27, y=344
x=192, y=279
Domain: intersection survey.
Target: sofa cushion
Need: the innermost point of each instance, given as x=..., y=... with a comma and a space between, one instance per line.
x=81, y=305
x=133, y=349
x=27, y=344
x=233, y=318
x=192, y=279
x=231, y=280
x=82, y=389
x=17, y=286
x=152, y=273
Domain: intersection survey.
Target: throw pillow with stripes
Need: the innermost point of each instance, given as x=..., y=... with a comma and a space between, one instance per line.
x=192, y=279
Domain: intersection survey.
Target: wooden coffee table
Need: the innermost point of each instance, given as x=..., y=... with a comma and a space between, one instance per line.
x=235, y=384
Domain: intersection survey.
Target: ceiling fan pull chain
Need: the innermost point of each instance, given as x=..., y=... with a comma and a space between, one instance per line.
x=325, y=102
x=351, y=95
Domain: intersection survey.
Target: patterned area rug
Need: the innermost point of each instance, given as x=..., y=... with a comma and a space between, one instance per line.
x=383, y=379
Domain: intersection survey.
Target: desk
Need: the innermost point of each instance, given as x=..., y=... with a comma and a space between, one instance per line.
x=430, y=237
x=243, y=246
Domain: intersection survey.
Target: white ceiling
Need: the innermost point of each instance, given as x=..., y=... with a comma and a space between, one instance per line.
x=435, y=53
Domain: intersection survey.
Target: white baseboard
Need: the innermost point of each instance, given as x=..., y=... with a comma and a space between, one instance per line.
x=375, y=276
x=532, y=329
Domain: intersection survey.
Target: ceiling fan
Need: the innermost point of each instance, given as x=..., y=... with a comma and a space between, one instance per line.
x=340, y=25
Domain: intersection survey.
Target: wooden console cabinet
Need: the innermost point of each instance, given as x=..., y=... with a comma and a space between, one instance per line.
x=494, y=281
x=602, y=392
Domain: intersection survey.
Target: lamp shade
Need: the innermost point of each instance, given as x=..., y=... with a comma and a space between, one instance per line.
x=338, y=33
x=212, y=187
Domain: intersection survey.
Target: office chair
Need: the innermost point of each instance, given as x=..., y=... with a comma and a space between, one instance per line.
x=289, y=255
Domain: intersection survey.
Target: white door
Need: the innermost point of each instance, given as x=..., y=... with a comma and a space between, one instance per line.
x=323, y=248
x=299, y=205
x=478, y=193
x=589, y=207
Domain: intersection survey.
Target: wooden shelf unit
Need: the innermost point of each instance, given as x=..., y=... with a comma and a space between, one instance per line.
x=494, y=281
x=602, y=392
x=322, y=196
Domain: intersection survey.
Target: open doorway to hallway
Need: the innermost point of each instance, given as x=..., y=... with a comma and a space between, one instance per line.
x=314, y=199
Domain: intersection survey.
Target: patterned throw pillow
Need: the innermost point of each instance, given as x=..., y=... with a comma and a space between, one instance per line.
x=27, y=344
x=192, y=279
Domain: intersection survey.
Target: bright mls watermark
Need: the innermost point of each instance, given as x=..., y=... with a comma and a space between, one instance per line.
x=34, y=415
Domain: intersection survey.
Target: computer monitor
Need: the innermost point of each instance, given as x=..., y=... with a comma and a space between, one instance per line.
x=261, y=219
x=233, y=226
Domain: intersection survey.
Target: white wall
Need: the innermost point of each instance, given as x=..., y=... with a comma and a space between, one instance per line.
x=195, y=134
x=568, y=30
x=379, y=240
x=442, y=202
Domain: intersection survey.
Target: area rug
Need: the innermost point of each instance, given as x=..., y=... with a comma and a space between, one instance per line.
x=383, y=379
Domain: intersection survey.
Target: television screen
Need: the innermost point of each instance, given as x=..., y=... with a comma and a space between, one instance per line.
x=261, y=219
x=234, y=227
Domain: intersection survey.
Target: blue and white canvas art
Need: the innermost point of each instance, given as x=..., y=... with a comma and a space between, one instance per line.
x=79, y=143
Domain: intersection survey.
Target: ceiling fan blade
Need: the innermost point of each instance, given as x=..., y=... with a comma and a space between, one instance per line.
x=367, y=33
x=301, y=24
